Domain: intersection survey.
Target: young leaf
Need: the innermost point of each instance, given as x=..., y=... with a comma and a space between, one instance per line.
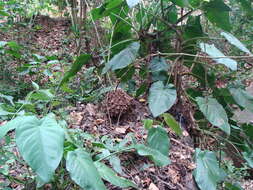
x=132, y=3
x=158, y=140
x=83, y=171
x=77, y=65
x=243, y=98
x=172, y=123
x=44, y=95
x=123, y=58
x=234, y=41
x=161, y=98
x=155, y=155
x=40, y=142
x=109, y=175
x=207, y=174
x=212, y=51
x=214, y=112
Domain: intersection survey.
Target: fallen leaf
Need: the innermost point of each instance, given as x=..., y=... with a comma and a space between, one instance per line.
x=152, y=186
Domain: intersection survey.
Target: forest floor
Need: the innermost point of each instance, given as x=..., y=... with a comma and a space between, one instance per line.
x=48, y=39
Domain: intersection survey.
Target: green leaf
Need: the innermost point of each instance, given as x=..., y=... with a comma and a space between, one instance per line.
x=4, y=13
x=44, y=95
x=83, y=171
x=161, y=98
x=8, y=98
x=158, y=64
x=231, y=186
x=155, y=155
x=148, y=123
x=172, y=123
x=132, y=3
x=116, y=163
x=35, y=86
x=214, y=112
x=234, y=41
x=123, y=58
x=13, y=124
x=217, y=12
x=40, y=142
x=109, y=175
x=212, y=51
x=76, y=66
x=248, y=156
x=181, y=3
x=158, y=140
x=243, y=98
x=207, y=174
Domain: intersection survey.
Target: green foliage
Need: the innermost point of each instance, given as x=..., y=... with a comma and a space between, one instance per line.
x=172, y=123
x=83, y=170
x=40, y=143
x=161, y=98
x=208, y=173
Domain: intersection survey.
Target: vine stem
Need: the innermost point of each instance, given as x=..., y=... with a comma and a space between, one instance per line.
x=116, y=152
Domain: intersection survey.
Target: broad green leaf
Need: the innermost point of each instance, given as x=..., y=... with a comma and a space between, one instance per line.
x=217, y=12
x=40, y=142
x=243, y=98
x=234, y=41
x=132, y=3
x=212, y=51
x=161, y=98
x=248, y=156
x=158, y=140
x=83, y=171
x=44, y=95
x=158, y=64
x=76, y=66
x=207, y=173
x=181, y=3
x=172, y=123
x=214, y=112
x=13, y=124
x=4, y=13
x=109, y=175
x=155, y=155
x=123, y=58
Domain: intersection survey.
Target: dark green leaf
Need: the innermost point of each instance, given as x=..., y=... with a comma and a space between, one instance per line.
x=76, y=66
x=158, y=64
x=172, y=123
x=181, y=3
x=217, y=12
x=158, y=140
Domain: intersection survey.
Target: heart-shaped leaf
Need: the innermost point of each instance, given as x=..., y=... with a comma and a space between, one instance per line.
x=40, y=142
x=161, y=98
x=214, y=112
x=208, y=173
x=83, y=171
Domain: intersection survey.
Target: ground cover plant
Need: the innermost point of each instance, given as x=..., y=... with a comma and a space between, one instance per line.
x=126, y=94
